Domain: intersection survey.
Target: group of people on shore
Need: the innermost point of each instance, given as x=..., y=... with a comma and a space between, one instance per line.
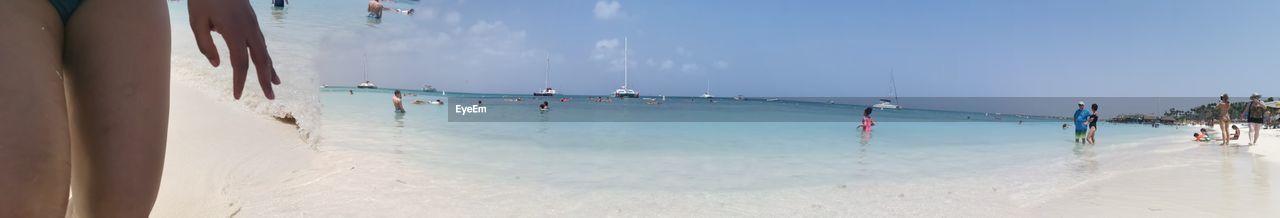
x=1255, y=114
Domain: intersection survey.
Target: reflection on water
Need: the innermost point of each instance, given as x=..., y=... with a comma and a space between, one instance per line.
x=373, y=21
x=400, y=120
x=278, y=14
x=1088, y=159
x=864, y=142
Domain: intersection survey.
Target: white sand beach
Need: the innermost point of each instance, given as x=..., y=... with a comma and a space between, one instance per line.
x=215, y=149
x=224, y=160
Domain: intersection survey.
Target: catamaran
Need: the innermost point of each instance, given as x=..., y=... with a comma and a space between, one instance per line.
x=625, y=92
x=707, y=94
x=547, y=83
x=885, y=103
x=366, y=84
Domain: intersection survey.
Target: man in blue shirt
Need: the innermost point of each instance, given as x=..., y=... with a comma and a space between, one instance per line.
x=1081, y=116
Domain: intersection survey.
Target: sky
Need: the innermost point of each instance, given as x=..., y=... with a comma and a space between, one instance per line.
x=1177, y=48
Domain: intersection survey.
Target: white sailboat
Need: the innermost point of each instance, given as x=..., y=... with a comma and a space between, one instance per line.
x=707, y=94
x=625, y=92
x=885, y=103
x=548, y=91
x=366, y=84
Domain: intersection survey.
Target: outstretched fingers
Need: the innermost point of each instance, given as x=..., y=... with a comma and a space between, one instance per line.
x=201, y=27
x=262, y=60
x=238, y=49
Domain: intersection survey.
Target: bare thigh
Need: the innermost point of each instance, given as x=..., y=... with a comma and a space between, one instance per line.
x=34, y=156
x=118, y=77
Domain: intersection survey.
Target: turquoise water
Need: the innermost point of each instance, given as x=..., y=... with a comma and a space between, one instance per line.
x=805, y=149
x=714, y=156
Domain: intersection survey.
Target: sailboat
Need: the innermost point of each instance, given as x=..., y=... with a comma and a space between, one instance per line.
x=366, y=84
x=625, y=92
x=707, y=94
x=885, y=103
x=547, y=83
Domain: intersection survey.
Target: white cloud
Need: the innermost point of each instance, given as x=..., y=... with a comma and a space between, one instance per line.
x=608, y=10
x=425, y=13
x=452, y=18
x=721, y=64
x=651, y=62
x=667, y=65
x=606, y=48
x=689, y=68
x=486, y=50
x=610, y=51
x=684, y=52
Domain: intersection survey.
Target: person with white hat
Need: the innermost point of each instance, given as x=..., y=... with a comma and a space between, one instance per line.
x=1080, y=117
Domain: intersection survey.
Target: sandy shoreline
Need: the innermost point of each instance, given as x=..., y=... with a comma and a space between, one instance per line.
x=225, y=160
x=215, y=147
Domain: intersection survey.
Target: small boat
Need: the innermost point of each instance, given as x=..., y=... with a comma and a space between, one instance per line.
x=739, y=98
x=367, y=85
x=625, y=92
x=707, y=94
x=771, y=99
x=885, y=103
x=546, y=82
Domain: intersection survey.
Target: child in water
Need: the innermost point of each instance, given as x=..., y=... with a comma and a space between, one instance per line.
x=867, y=122
x=88, y=98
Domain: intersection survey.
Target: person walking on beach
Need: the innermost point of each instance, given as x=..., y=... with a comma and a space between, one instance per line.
x=395, y=100
x=1093, y=124
x=1224, y=108
x=1255, y=114
x=1080, y=117
x=86, y=106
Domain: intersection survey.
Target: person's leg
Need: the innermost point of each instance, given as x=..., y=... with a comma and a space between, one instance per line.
x=1255, y=130
x=35, y=164
x=118, y=83
x=1091, y=132
x=1226, y=130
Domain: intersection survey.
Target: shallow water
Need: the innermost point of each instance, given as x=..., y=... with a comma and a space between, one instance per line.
x=727, y=156
x=915, y=163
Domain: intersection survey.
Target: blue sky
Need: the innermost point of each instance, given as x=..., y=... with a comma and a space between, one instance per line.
x=836, y=48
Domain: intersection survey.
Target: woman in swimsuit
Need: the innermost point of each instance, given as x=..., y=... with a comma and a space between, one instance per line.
x=1224, y=108
x=1093, y=124
x=89, y=106
x=1255, y=113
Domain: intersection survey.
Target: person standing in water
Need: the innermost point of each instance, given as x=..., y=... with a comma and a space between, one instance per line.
x=395, y=100
x=1093, y=124
x=867, y=122
x=1255, y=113
x=1224, y=108
x=1080, y=117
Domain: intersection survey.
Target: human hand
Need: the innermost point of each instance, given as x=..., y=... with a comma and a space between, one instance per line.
x=238, y=25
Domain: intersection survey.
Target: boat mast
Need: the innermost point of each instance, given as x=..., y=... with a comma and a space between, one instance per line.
x=365, y=54
x=708, y=85
x=625, y=50
x=893, y=87
x=547, y=81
